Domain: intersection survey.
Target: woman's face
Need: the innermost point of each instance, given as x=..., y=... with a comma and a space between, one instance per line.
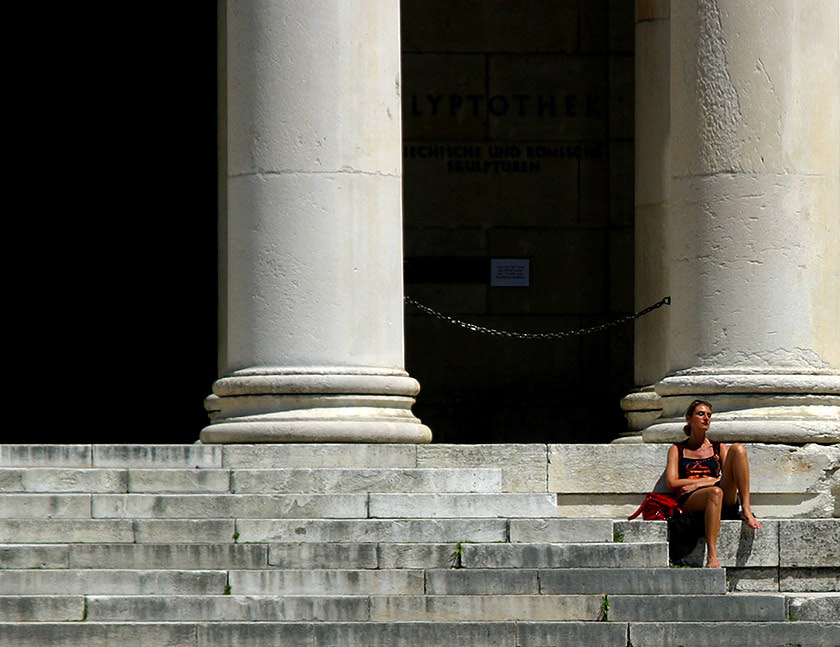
x=700, y=418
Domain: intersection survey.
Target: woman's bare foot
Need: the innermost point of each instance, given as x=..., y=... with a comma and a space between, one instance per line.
x=752, y=522
x=713, y=562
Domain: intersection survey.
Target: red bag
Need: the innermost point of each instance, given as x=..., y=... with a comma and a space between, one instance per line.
x=657, y=506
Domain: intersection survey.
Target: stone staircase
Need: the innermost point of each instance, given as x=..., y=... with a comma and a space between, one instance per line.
x=391, y=545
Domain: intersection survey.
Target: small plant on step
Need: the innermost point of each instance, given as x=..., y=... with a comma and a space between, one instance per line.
x=618, y=537
x=455, y=557
x=604, y=615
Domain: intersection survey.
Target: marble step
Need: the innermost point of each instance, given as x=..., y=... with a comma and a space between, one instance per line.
x=275, y=506
x=249, y=481
x=440, y=608
x=111, y=582
x=734, y=607
x=296, y=608
x=428, y=634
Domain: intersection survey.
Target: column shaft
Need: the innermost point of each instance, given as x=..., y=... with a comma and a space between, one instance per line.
x=313, y=345
x=753, y=224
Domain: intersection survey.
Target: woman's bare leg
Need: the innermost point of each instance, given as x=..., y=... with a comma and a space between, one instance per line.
x=735, y=480
x=709, y=500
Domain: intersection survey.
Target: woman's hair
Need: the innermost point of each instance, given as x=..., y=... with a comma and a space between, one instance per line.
x=690, y=412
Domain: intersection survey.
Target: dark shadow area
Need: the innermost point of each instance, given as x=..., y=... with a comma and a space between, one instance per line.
x=115, y=301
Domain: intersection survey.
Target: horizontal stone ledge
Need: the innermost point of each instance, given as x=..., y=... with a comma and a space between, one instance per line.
x=326, y=582
x=611, y=555
x=221, y=608
x=52, y=531
x=736, y=607
x=108, y=581
x=403, y=506
x=734, y=634
x=380, y=480
x=327, y=455
x=372, y=530
x=63, y=479
x=254, y=506
x=647, y=581
x=42, y=608
x=484, y=608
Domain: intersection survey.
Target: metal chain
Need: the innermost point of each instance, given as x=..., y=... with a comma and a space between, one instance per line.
x=536, y=335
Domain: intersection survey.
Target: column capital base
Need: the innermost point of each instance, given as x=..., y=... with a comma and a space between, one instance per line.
x=326, y=405
x=770, y=405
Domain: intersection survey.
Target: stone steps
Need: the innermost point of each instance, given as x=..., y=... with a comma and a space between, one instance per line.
x=247, y=481
x=421, y=608
x=428, y=634
x=396, y=545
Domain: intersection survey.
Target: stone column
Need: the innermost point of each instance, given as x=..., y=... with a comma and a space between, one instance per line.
x=752, y=244
x=313, y=331
x=651, y=193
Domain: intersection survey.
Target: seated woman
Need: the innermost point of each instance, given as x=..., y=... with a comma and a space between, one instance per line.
x=709, y=477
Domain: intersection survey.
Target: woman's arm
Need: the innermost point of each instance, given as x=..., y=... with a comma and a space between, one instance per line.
x=723, y=451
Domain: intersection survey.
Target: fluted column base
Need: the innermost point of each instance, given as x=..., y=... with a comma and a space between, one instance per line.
x=760, y=405
x=319, y=405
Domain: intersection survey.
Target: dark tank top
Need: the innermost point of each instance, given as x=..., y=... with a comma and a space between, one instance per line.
x=695, y=468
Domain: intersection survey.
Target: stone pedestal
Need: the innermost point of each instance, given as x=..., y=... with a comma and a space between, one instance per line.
x=751, y=222
x=312, y=253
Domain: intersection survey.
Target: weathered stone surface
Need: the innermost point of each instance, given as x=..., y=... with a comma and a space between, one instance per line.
x=319, y=455
x=323, y=555
x=751, y=579
x=605, y=469
x=428, y=634
x=52, y=531
x=640, y=531
x=326, y=582
x=90, y=634
x=565, y=555
x=654, y=581
x=42, y=608
x=571, y=634
x=469, y=581
x=45, y=506
x=809, y=542
x=115, y=582
x=740, y=546
x=819, y=607
x=395, y=480
x=787, y=480
x=254, y=634
x=60, y=479
x=184, y=531
x=809, y=579
x=426, y=531
x=168, y=556
x=615, y=506
x=45, y=456
x=178, y=480
x=560, y=530
x=256, y=506
x=733, y=634
x=702, y=608
x=484, y=608
x=150, y=456
x=419, y=555
x=34, y=556
x=227, y=608
x=447, y=506
x=523, y=466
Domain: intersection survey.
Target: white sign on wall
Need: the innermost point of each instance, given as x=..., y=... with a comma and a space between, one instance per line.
x=510, y=272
